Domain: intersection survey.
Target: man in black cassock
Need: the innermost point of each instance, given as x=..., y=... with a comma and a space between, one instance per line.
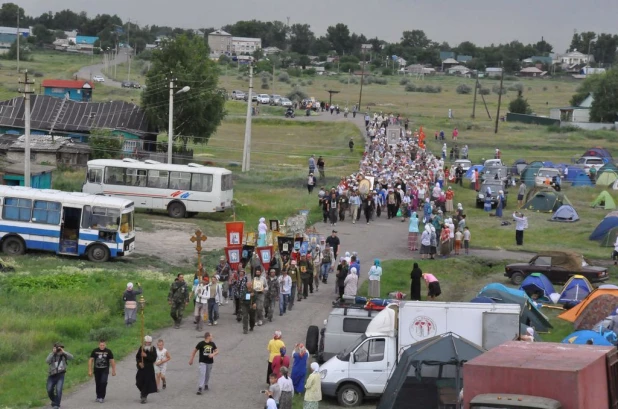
x=145, y=378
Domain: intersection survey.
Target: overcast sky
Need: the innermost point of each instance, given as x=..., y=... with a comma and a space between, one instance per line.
x=481, y=21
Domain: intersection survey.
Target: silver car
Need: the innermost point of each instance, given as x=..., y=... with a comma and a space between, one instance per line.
x=275, y=99
x=286, y=103
x=238, y=95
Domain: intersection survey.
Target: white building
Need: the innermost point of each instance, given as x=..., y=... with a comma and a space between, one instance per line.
x=271, y=50
x=574, y=58
x=245, y=45
x=493, y=71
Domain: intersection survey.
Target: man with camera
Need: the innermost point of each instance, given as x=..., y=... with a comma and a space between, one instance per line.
x=57, y=361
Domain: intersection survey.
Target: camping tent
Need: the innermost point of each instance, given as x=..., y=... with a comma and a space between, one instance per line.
x=607, y=178
x=596, y=310
x=615, y=185
x=471, y=170
x=518, y=166
x=575, y=290
x=604, y=227
x=604, y=200
x=581, y=337
x=545, y=201
x=530, y=315
x=574, y=172
x=600, y=152
x=610, y=237
x=537, y=283
x=529, y=173
x=576, y=312
x=608, y=166
x=581, y=180
x=425, y=368
x=566, y=213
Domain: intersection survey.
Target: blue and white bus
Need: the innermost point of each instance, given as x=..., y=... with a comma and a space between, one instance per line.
x=75, y=224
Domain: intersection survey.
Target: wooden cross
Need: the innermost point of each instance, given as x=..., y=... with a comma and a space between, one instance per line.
x=198, y=238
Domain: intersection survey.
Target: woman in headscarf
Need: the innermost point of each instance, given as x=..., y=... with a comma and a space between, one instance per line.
x=487, y=206
x=351, y=283
x=449, y=199
x=262, y=229
x=375, y=272
x=333, y=209
x=287, y=389
x=459, y=212
x=434, y=243
x=426, y=211
x=415, y=285
x=280, y=362
x=426, y=241
x=445, y=244
x=274, y=349
x=500, y=204
x=313, y=393
x=413, y=232
x=299, y=368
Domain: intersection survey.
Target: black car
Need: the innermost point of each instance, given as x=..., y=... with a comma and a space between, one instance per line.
x=126, y=84
x=495, y=186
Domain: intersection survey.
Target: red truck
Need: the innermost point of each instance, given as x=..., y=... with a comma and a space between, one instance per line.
x=542, y=375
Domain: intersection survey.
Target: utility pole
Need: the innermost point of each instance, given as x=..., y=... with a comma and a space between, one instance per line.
x=476, y=85
x=246, y=154
x=27, y=93
x=129, y=53
x=170, y=129
x=499, y=97
x=18, y=40
x=360, y=97
x=273, y=78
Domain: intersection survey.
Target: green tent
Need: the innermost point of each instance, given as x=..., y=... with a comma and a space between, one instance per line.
x=545, y=202
x=609, y=166
x=610, y=238
x=529, y=173
x=607, y=178
x=605, y=201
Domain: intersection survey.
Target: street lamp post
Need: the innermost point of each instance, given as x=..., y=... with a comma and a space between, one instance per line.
x=170, y=132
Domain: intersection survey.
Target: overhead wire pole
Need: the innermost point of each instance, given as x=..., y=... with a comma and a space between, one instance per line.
x=360, y=97
x=170, y=129
x=476, y=86
x=246, y=155
x=27, y=93
x=499, y=97
x=129, y=49
x=17, y=45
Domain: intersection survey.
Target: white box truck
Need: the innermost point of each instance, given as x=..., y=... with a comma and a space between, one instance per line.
x=363, y=369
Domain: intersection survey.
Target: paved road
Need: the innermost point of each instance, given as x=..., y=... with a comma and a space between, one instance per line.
x=97, y=69
x=240, y=369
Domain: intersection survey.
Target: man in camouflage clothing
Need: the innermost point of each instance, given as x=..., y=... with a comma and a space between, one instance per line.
x=272, y=295
x=178, y=298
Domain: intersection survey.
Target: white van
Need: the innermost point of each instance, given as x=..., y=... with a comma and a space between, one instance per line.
x=492, y=162
x=363, y=368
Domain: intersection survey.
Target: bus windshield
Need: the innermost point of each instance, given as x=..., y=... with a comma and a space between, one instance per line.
x=126, y=222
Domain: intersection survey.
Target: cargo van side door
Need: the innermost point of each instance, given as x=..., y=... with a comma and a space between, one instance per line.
x=370, y=364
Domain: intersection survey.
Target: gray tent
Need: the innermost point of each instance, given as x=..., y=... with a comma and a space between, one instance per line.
x=429, y=372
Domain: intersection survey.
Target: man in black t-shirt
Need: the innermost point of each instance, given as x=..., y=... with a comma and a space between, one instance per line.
x=334, y=242
x=208, y=350
x=101, y=358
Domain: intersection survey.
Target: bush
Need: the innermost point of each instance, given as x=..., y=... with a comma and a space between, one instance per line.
x=430, y=89
x=310, y=72
x=410, y=88
x=266, y=76
x=380, y=81
x=296, y=94
x=265, y=85
x=516, y=87
x=463, y=89
x=387, y=71
x=283, y=77
x=404, y=81
x=520, y=106
x=309, y=82
x=496, y=90
x=295, y=72
x=510, y=78
x=484, y=91
x=106, y=333
x=302, y=83
x=239, y=77
x=37, y=74
x=544, y=88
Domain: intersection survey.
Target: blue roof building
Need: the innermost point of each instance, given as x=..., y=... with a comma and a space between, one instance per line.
x=87, y=40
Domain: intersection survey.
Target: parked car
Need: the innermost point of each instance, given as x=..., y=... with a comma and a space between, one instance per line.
x=590, y=162
x=495, y=187
x=465, y=164
x=545, y=173
x=238, y=95
x=98, y=78
x=135, y=85
x=263, y=99
x=496, y=173
x=493, y=162
x=275, y=99
x=286, y=103
x=558, y=266
x=253, y=97
x=342, y=328
x=126, y=84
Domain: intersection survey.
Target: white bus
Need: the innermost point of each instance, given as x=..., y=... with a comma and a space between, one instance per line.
x=182, y=190
x=74, y=224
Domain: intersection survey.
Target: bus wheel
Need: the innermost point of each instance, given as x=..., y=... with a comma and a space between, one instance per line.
x=13, y=246
x=98, y=253
x=176, y=210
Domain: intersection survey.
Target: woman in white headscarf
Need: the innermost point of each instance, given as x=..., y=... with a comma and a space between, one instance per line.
x=351, y=283
x=313, y=387
x=262, y=229
x=425, y=241
x=434, y=243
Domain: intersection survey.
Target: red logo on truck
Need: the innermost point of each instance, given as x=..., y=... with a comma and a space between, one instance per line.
x=423, y=327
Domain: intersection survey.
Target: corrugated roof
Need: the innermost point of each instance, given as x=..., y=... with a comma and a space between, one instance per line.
x=449, y=61
x=8, y=38
x=75, y=116
x=39, y=143
x=18, y=168
x=72, y=84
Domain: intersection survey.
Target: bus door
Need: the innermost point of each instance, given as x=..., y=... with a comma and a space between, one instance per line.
x=69, y=230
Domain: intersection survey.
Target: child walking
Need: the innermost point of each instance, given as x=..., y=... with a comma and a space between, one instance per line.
x=163, y=356
x=466, y=237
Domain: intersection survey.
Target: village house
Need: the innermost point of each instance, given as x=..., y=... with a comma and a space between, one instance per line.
x=75, y=90
x=46, y=150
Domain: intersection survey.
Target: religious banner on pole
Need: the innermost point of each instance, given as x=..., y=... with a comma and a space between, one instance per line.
x=285, y=244
x=234, y=233
x=233, y=254
x=265, y=253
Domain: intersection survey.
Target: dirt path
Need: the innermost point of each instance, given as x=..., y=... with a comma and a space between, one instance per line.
x=171, y=240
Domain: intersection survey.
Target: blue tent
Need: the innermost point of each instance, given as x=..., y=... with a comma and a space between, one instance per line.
x=537, y=283
x=575, y=290
x=566, y=213
x=530, y=315
x=471, y=170
x=605, y=226
x=581, y=180
x=483, y=300
x=573, y=173
x=582, y=336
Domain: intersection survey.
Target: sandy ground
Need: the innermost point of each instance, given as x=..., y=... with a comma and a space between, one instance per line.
x=171, y=240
